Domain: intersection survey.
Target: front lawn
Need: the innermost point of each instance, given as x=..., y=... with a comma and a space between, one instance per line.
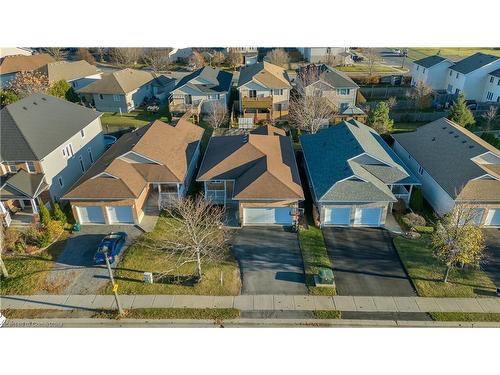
x=137, y=118
x=28, y=273
x=137, y=259
x=159, y=313
x=427, y=272
x=407, y=126
x=363, y=68
x=450, y=52
x=465, y=317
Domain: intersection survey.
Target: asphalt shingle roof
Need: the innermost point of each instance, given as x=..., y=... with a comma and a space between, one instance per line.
x=24, y=184
x=471, y=63
x=218, y=81
x=329, y=75
x=267, y=74
x=33, y=127
x=429, y=61
x=495, y=73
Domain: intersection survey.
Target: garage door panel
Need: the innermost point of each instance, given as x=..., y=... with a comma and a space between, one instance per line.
x=368, y=216
x=493, y=218
x=267, y=215
x=120, y=214
x=337, y=216
x=91, y=215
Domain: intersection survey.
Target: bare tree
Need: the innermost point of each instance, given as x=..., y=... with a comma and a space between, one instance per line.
x=421, y=95
x=56, y=52
x=27, y=83
x=234, y=58
x=197, y=60
x=84, y=54
x=3, y=270
x=458, y=239
x=157, y=58
x=217, y=114
x=125, y=57
x=490, y=116
x=309, y=109
x=218, y=58
x=391, y=102
x=278, y=56
x=100, y=52
x=194, y=233
x=371, y=58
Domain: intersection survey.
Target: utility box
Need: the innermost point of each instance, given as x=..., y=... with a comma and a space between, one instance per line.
x=325, y=276
x=148, y=277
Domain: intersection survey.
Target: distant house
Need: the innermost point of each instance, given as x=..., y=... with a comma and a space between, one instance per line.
x=470, y=75
x=77, y=73
x=264, y=92
x=46, y=145
x=179, y=54
x=431, y=71
x=338, y=88
x=322, y=54
x=255, y=174
x=126, y=90
x=491, y=91
x=147, y=167
x=202, y=87
x=13, y=64
x=354, y=176
x=10, y=51
x=453, y=165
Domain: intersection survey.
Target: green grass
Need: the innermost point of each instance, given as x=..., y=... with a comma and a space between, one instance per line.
x=407, y=126
x=28, y=273
x=427, y=272
x=465, y=317
x=169, y=313
x=327, y=314
x=451, y=52
x=136, y=118
x=137, y=259
x=363, y=68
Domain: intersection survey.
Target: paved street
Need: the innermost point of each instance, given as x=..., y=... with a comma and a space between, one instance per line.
x=491, y=264
x=365, y=263
x=270, y=261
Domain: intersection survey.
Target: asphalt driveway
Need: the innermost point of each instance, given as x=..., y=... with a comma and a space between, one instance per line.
x=491, y=263
x=270, y=260
x=365, y=263
x=75, y=271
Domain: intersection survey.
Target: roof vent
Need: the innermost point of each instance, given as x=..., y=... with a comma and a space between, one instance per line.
x=35, y=103
x=433, y=139
x=464, y=141
x=450, y=132
x=444, y=127
x=456, y=136
x=44, y=99
x=25, y=108
x=471, y=146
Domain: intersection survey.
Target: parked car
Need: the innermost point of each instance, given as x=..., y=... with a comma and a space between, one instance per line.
x=112, y=244
x=357, y=58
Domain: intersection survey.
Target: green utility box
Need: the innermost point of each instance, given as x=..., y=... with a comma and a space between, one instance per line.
x=76, y=227
x=325, y=276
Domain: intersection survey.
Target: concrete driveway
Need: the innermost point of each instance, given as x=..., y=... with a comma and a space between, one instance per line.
x=75, y=271
x=270, y=260
x=365, y=263
x=491, y=263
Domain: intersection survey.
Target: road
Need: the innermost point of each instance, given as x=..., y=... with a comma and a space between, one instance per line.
x=388, y=57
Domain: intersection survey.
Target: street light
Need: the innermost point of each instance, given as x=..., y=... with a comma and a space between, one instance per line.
x=115, y=286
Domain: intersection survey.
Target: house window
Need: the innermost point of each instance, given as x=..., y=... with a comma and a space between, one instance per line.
x=457, y=75
x=67, y=151
x=74, y=84
x=116, y=98
x=81, y=164
x=278, y=92
x=30, y=166
x=252, y=93
x=101, y=97
x=12, y=166
x=498, y=99
x=420, y=170
x=343, y=91
x=277, y=107
x=61, y=183
x=457, y=91
x=450, y=89
x=489, y=96
x=82, y=133
x=213, y=97
x=492, y=79
x=418, y=67
x=91, y=158
x=498, y=83
x=450, y=73
x=423, y=71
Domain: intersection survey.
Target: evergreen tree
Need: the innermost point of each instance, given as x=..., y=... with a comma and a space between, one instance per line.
x=460, y=114
x=44, y=215
x=379, y=118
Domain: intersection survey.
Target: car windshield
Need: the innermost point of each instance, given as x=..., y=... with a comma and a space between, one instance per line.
x=104, y=248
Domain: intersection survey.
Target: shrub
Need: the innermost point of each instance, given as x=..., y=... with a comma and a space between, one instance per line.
x=413, y=220
x=43, y=239
x=58, y=214
x=491, y=139
x=417, y=200
x=44, y=215
x=11, y=237
x=31, y=235
x=54, y=229
x=424, y=229
x=69, y=213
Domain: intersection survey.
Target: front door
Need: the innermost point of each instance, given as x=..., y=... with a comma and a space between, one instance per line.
x=188, y=99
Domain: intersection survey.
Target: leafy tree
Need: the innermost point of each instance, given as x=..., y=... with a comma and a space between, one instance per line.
x=62, y=89
x=58, y=214
x=84, y=54
x=8, y=97
x=28, y=83
x=44, y=215
x=458, y=239
x=379, y=118
x=460, y=114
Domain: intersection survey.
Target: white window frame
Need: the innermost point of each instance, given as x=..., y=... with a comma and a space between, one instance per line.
x=421, y=170
x=91, y=157
x=12, y=166
x=28, y=163
x=82, y=164
x=489, y=95
x=343, y=92
x=492, y=79
x=277, y=91
x=67, y=151
x=116, y=98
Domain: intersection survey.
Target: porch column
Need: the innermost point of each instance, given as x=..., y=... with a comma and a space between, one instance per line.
x=224, y=192
x=409, y=194
x=178, y=191
x=34, y=206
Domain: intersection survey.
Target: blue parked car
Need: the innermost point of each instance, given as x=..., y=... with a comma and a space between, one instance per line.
x=112, y=244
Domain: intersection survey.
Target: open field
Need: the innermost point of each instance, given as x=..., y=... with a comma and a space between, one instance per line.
x=453, y=53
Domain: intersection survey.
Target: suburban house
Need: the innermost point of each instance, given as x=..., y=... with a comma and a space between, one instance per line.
x=201, y=88
x=180, y=54
x=77, y=73
x=254, y=174
x=491, y=91
x=10, y=51
x=431, y=71
x=126, y=90
x=453, y=165
x=338, y=88
x=264, y=92
x=46, y=145
x=353, y=175
x=470, y=75
x=147, y=167
x=13, y=64
x=321, y=54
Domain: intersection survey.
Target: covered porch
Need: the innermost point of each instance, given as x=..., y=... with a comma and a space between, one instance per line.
x=219, y=191
x=166, y=193
x=402, y=192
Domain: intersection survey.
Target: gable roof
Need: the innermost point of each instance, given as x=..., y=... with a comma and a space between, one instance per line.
x=495, y=73
x=429, y=61
x=67, y=70
x=350, y=162
x=22, y=185
x=444, y=150
x=169, y=150
x=217, y=80
x=120, y=82
x=326, y=74
x=33, y=127
x=23, y=63
x=474, y=62
x=262, y=164
x=266, y=74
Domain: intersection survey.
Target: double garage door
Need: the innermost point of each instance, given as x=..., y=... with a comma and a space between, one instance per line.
x=95, y=214
x=267, y=215
x=371, y=216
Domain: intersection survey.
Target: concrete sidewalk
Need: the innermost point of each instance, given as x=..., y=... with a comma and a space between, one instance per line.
x=256, y=303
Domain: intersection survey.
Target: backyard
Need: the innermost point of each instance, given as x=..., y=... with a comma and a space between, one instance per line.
x=363, y=68
x=113, y=121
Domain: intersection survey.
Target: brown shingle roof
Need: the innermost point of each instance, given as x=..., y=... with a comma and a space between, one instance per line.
x=22, y=63
x=267, y=74
x=120, y=82
x=262, y=165
x=67, y=70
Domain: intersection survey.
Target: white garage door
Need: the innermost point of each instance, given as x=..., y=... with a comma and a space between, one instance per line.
x=267, y=215
x=368, y=216
x=337, y=216
x=90, y=215
x=120, y=214
x=493, y=218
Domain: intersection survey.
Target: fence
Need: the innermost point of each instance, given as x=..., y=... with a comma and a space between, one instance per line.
x=418, y=116
x=377, y=92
